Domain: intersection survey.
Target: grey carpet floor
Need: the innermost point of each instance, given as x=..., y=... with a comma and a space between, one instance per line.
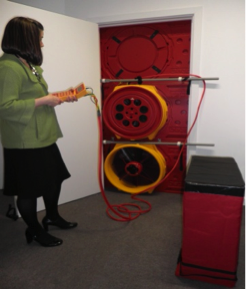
x=102, y=253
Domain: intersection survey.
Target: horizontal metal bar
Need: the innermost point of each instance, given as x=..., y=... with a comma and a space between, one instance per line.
x=105, y=142
x=180, y=79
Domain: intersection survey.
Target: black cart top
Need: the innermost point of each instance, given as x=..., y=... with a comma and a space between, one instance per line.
x=219, y=175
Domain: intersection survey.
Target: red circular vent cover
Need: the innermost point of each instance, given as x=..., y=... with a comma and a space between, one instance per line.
x=133, y=51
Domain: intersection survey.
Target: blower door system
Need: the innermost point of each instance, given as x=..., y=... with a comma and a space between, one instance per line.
x=154, y=110
x=135, y=112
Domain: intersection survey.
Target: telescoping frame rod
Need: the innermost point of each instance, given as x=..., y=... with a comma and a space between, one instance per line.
x=180, y=79
x=105, y=142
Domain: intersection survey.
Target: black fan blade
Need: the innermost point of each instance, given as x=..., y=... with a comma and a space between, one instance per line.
x=149, y=166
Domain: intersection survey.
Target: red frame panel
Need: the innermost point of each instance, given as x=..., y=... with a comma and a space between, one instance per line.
x=154, y=50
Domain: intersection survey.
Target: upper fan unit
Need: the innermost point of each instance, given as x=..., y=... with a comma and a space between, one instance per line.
x=135, y=112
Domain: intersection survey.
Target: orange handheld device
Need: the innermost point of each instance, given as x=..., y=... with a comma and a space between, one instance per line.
x=80, y=91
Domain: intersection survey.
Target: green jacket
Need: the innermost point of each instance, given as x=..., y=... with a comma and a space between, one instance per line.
x=21, y=124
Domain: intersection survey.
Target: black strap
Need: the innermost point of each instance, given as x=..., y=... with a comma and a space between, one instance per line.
x=139, y=78
x=206, y=269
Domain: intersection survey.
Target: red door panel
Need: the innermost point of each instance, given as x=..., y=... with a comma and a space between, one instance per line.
x=153, y=50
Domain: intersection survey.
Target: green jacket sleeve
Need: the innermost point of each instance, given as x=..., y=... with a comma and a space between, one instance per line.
x=12, y=108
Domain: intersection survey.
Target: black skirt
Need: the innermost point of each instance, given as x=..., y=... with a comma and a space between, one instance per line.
x=32, y=172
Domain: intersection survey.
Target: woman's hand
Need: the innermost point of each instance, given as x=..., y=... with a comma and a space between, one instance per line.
x=71, y=99
x=49, y=100
x=52, y=100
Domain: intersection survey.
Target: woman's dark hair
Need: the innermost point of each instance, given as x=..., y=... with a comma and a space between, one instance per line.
x=22, y=38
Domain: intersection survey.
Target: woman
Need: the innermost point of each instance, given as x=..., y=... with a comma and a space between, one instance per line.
x=33, y=165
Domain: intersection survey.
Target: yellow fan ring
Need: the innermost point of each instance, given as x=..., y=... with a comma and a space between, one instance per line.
x=121, y=185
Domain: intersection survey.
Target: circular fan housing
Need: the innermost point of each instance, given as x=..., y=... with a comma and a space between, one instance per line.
x=135, y=168
x=135, y=112
x=135, y=51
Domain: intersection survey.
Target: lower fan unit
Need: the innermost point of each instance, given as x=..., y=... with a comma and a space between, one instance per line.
x=135, y=168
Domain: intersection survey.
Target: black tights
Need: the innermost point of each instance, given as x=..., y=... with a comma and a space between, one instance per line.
x=28, y=210
x=28, y=207
x=51, y=202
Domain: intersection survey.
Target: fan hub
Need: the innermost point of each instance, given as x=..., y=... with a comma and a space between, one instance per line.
x=133, y=168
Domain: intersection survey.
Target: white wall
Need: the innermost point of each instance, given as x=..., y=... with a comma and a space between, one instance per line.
x=57, y=6
x=218, y=50
x=71, y=56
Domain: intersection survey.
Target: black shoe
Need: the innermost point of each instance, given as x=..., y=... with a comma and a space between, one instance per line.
x=43, y=238
x=59, y=222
